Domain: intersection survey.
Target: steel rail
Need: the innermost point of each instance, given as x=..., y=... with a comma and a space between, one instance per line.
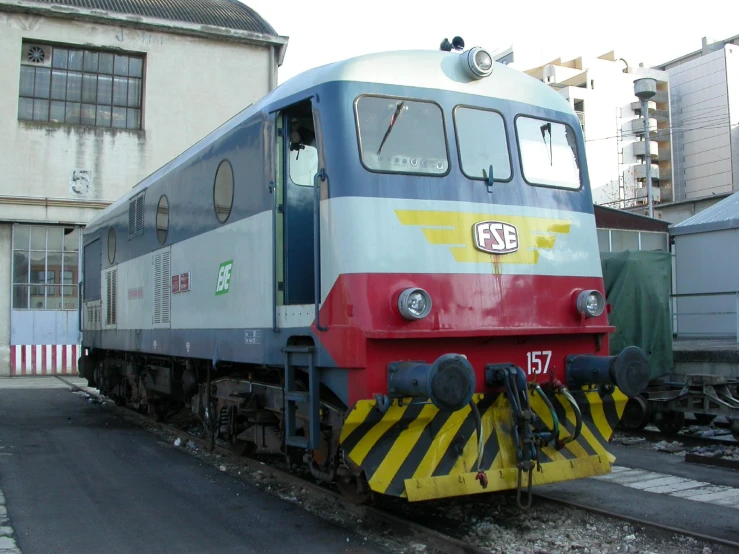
x=687, y=440
x=637, y=521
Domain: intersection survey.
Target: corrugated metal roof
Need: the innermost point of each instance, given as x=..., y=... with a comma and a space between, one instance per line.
x=230, y=14
x=723, y=215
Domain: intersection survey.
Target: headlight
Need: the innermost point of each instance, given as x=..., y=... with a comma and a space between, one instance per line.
x=478, y=62
x=591, y=303
x=414, y=303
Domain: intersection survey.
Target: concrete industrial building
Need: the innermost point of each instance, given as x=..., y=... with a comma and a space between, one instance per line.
x=704, y=106
x=96, y=96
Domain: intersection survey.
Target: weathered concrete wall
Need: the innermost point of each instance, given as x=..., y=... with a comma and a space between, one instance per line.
x=191, y=86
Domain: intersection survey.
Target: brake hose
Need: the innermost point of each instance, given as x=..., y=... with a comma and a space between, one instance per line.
x=578, y=416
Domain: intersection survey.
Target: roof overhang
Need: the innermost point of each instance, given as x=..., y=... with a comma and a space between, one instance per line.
x=705, y=227
x=148, y=23
x=612, y=218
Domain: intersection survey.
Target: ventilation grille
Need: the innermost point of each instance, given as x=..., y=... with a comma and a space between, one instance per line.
x=92, y=315
x=111, y=296
x=36, y=54
x=136, y=216
x=161, y=288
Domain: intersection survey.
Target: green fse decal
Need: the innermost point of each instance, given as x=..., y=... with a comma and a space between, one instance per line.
x=224, y=277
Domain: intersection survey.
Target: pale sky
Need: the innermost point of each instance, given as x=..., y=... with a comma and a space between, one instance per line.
x=324, y=31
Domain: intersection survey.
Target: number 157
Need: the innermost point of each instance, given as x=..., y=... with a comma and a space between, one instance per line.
x=538, y=362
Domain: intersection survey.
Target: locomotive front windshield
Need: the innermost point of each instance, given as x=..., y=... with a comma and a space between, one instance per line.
x=482, y=143
x=401, y=136
x=548, y=153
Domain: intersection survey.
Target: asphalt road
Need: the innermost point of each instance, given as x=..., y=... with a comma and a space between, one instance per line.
x=77, y=479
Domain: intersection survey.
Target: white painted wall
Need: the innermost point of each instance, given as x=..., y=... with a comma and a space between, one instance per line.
x=191, y=86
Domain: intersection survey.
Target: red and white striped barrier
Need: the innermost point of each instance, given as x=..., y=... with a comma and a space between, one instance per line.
x=43, y=359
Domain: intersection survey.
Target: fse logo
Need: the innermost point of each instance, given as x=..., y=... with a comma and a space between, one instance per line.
x=224, y=277
x=495, y=237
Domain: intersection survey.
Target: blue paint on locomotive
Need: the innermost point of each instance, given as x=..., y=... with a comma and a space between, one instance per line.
x=189, y=191
x=189, y=184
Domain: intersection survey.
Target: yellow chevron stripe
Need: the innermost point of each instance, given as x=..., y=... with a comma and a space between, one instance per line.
x=359, y=452
x=598, y=414
x=401, y=448
x=468, y=460
x=441, y=443
x=620, y=400
x=355, y=417
x=504, y=431
x=455, y=230
x=591, y=439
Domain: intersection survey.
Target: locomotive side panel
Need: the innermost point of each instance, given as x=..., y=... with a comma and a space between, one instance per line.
x=195, y=235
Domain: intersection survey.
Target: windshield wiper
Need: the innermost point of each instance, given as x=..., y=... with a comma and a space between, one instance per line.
x=393, y=119
x=547, y=128
x=489, y=178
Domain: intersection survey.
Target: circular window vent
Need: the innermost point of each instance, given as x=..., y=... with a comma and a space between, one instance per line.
x=36, y=54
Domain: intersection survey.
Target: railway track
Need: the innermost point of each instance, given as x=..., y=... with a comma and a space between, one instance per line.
x=734, y=545
x=392, y=518
x=687, y=440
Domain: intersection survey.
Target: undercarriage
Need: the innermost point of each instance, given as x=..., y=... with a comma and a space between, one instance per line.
x=242, y=406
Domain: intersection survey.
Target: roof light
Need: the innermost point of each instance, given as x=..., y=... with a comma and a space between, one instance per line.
x=477, y=62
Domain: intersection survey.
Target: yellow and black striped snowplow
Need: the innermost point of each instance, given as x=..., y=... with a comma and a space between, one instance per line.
x=411, y=449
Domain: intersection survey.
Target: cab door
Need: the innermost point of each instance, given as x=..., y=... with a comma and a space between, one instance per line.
x=297, y=159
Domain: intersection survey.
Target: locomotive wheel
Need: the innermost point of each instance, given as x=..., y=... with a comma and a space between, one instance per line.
x=356, y=490
x=669, y=422
x=636, y=414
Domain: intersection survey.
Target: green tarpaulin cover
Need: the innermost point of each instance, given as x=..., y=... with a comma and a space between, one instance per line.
x=638, y=287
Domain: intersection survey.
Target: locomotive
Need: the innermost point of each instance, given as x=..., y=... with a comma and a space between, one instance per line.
x=383, y=269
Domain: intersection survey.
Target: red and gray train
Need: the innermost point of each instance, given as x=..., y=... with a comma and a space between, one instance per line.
x=387, y=269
